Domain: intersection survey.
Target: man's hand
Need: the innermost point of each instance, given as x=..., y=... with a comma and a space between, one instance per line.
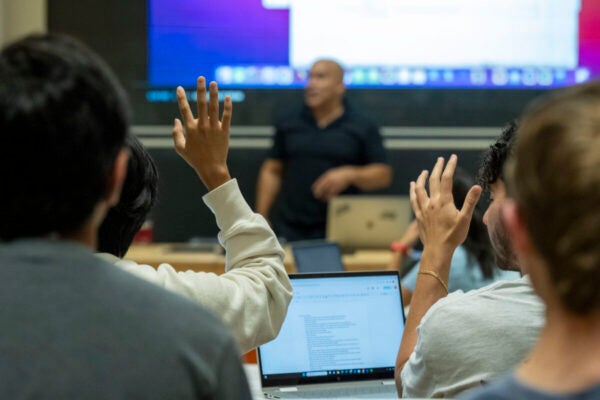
x=332, y=183
x=205, y=143
x=442, y=227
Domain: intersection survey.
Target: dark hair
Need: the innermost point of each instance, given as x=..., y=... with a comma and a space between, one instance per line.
x=494, y=158
x=137, y=198
x=63, y=120
x=477, y=243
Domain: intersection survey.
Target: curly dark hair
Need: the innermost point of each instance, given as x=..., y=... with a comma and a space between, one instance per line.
x=492, y=165
x=477, y=243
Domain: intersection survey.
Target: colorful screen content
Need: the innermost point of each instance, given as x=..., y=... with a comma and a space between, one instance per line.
x=504, y=44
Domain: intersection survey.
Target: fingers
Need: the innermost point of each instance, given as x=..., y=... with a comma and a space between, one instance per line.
x=178, y=137
x=213, y=105
x=184, y=106
x=471, y=201
x=201, y=100
x=318, y=187
x=420, y=192
x=325, y=188
x=227, y=112
x=447, y=176
x=434, y=179
x=413, y=200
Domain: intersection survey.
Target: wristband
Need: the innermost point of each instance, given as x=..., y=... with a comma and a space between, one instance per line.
x=398, y=246
x=436, y=276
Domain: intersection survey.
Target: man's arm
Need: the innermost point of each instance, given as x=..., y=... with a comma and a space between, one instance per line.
x=268, y=186
x=368, y=177
x=442, y=229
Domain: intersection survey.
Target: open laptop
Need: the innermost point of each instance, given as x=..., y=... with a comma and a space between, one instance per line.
x=317, y=256
x=339, y=339
x=367, y=222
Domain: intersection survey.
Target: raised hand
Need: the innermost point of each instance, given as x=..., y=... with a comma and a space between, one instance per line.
x=205, y=143
x=441, y=225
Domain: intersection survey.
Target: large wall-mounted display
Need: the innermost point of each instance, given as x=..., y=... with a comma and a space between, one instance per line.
x=381, y=43
x=408, y=62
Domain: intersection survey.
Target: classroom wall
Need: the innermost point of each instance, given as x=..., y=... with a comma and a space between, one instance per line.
x=181, y=215
x=21, y=17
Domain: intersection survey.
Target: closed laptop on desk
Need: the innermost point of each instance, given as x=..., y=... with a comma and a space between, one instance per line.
x=339, y=339
x=367, y=222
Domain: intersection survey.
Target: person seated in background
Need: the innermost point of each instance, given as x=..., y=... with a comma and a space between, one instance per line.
x=454, y=342
x=552, y=217
x=73, y=325
x=472, y=265
x=253, y=294
x=326, y=149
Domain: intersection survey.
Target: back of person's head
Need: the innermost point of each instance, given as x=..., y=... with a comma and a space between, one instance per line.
x=477, y=242
x=492, y=166
x=63, y=120
x=555, y=180
x=138, y=195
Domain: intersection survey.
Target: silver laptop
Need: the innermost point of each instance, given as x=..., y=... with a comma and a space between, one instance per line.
x=367, y=222
x=339, y=339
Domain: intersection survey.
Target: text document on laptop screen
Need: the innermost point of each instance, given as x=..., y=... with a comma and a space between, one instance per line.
x=336, y=325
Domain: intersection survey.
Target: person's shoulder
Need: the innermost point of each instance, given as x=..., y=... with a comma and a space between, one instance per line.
x=476, y=302
x=159, y=308
x=506, y=388
x=510, y=387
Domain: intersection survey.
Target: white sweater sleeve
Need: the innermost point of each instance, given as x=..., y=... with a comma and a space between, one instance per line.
x=253, y=295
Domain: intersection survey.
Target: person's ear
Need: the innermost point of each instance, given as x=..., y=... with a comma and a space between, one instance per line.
x=341, y=88
x=117, y=177
x=516, y=228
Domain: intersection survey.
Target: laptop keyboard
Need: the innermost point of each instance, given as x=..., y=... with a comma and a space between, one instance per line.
x=364, y=392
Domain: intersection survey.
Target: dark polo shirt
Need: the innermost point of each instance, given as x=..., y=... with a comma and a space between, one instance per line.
x=307, y=152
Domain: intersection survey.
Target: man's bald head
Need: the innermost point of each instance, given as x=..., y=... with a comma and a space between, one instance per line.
x=325, y=86
x=336, y=69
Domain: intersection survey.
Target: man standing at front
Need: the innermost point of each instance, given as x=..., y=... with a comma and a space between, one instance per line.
x=326, y=150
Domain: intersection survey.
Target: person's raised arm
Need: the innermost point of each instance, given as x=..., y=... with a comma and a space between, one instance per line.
x=402, y=247
x=253, y=295
x=268, y=186
x=442, y=229
x=368, y=177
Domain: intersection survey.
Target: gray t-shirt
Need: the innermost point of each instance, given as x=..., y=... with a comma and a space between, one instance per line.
x=510, y=388
x=467, y=338
x=76, y=327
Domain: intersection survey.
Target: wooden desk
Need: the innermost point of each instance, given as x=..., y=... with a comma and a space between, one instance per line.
x=154, y=254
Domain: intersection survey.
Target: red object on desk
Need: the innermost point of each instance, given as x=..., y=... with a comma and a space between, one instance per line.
x=249, y=357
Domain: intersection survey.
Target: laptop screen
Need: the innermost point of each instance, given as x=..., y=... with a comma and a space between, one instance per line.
x=339, y=327
x=317, y=256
